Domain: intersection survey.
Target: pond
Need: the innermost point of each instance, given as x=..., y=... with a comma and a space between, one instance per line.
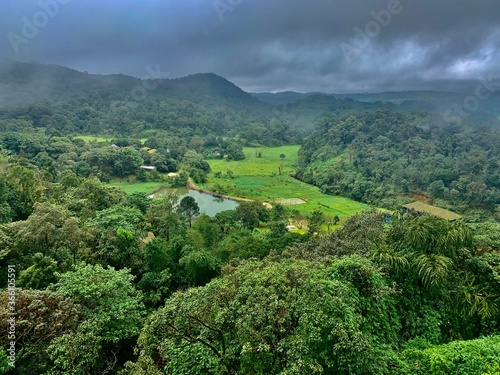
x=208, y=205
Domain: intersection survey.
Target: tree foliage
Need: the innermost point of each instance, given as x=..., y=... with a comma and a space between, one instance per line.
x=265, y=318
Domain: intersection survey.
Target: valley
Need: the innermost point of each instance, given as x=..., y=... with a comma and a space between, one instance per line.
x=120, y=269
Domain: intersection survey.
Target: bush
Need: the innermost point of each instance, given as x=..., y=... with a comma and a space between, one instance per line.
x=474, y=357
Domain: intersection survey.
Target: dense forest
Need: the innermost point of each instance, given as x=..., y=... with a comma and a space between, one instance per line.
x=387, y=157
x=114, y=283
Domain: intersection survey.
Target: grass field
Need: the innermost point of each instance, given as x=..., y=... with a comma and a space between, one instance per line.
x=259, y=178
x=140, y=187
x=265, y=165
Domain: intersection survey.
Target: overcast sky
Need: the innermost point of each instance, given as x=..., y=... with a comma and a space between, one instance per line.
x=265, y=45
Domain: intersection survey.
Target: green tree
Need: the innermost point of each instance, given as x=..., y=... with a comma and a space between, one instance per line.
x=242, y=244
x=474, y=357
x=92, y=195
x=430, y=245
x=209, y=229
x=234, y=151
x=250, y=214
x=113, y=313
x=226, y=220
x=110, y=219
x=189, y=208
x=316, y=219
x=263, y=318
x=139, y=200
x=195, y=160
x=46, y=231
x=40, y=274
x=27, y=188
x=163, y=218
x=42, y=316
x=156, y=280
x=199, y=266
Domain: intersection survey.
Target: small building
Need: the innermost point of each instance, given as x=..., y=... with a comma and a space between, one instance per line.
x=115, y=147
x=424, y=208
x=173, y=175
x=148, y=167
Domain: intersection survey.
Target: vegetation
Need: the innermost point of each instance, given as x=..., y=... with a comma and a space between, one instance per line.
x=257, y=177
x=379, y=158
x=112, y=281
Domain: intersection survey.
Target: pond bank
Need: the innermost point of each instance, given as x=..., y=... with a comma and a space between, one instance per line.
x=192, y=186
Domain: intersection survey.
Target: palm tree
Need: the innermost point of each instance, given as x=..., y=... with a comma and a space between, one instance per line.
x=429, y=248
x=426, y=246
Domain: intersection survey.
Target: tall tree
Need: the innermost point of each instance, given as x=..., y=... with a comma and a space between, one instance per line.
x=189, y=208
x=113, y=314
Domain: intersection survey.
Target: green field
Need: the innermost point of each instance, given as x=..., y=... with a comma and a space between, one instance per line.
x=137, y=187
x=265, y=165
x=259, y=178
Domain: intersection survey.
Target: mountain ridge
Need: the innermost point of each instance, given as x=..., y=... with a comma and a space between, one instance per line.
x=31, y=83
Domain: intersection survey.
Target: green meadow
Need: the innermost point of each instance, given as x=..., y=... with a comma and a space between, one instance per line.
x=137, y=187
x=266, y=165
x=259, y=178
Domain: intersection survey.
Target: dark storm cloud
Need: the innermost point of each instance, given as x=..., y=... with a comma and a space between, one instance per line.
x=261, y=45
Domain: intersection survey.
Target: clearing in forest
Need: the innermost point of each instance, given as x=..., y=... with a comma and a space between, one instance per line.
x=258, y=177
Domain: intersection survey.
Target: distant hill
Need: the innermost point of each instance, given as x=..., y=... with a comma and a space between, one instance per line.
x=281, y=98
x=438, y=102
x=307, y=112
x=27, y=83
x=211, y=97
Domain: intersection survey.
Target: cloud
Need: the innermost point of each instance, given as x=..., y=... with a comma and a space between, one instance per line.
x=270, y=45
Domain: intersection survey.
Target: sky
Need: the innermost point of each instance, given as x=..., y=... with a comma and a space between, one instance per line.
x=334, y=46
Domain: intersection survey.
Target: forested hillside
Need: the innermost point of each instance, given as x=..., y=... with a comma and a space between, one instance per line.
x=449, y=105
x=59, y=98
x=382, y=157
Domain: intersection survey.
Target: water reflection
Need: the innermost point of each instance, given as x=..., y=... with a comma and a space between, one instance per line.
x=208, y=205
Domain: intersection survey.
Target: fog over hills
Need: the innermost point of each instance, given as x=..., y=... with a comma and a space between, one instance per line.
x=29, y=83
